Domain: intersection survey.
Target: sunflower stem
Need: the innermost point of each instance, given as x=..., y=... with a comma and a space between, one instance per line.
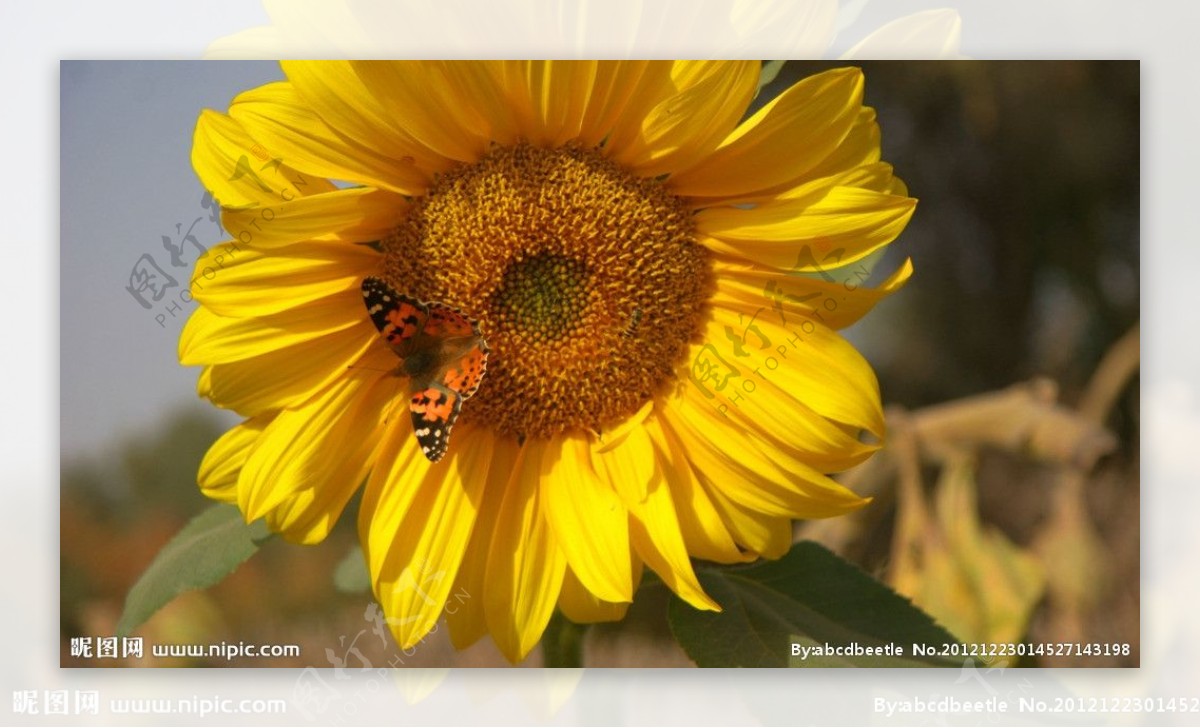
x=562, y=642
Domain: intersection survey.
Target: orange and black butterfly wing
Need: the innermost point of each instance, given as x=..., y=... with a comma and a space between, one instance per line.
x=434, y=412
x=459, y=355
x=463, y=372
x=398, y=318
x=449, y=323
x=435, y=409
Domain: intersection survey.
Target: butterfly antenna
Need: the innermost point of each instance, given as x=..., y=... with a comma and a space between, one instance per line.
x=366, y=369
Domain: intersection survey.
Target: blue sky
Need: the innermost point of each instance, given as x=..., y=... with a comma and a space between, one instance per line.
x=127, y=181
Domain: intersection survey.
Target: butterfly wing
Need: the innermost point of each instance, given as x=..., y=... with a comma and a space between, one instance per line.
x=398, y=318
x=434, y=411
x=448, y=323
x=464, y=374
x=409, y=326
x=463, y=370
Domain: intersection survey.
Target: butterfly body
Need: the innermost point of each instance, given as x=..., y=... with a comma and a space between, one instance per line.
x=442, y=354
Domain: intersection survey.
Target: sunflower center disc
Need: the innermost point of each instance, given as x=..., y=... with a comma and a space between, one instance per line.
x=585, y=280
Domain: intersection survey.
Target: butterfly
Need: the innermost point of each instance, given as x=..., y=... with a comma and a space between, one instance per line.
x=442, y=354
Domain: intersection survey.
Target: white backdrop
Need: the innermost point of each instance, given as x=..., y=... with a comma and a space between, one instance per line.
x=34, y=37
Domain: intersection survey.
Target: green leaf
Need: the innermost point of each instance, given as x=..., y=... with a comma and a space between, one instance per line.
x=351, y=576
x=770, y=69
x=809, y=598
x=207, y=550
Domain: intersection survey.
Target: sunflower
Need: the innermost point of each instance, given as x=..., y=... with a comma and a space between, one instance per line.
x=657, y=278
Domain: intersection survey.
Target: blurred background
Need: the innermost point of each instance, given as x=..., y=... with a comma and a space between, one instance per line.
x=1007, y=499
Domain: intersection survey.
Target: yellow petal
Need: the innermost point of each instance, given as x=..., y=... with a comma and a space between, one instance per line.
x=288, y=127
x=616, y=83
x=783, y=141
x=843, y=226
x=308, y=516
x=239, y=171
x=510, y=80
x=289, y=376
x=218, y=475
x=356, y=111
x=767, y=536
x=795, y=298
x=692, y=111
x=627, y=462
x=780, y=410
x=861, y=147
x=361, y=214
x=582, y=607
x=753, y=471
x=235, y=280
x=483, y=106
x=857, y=156
x=717, y=455
x=588, y=519
x=397, y=476
x=209, y=338
x=418, y=517
x=793, y=486
x=465, y=610
x=204, y=383
x=426, y=102
x=322, y=443
x=812, y=362
x=612, y=438
x=525, y=565
x=704, y=532
x=654, y=529
x=548, y=98
x=876, y=175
